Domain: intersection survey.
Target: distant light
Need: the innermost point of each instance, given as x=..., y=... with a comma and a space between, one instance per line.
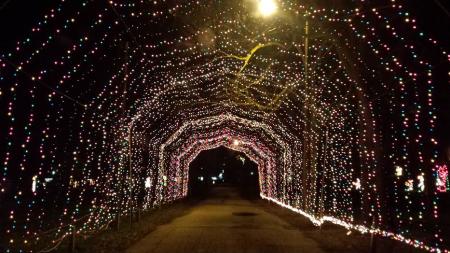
x=33, y=184
x=357, y=184
x=421, y=183
x=201, y=178
x=91, y=181
x=148, y=183
x=409, y=185
x=214, y=178
x=242, y=159
x=236, y=142
x=398, y=171
x=267, y=7
x=349, y=232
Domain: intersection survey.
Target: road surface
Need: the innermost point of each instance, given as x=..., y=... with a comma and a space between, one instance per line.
x=225, y=222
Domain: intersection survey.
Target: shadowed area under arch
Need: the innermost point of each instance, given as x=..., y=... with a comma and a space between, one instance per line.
x=221, y=166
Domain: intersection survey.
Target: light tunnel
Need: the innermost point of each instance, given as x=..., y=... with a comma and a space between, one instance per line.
x=104, y=105
x=226, y=136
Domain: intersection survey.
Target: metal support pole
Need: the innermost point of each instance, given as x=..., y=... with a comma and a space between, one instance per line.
x=131, y=217
x=118, y=222
x=73, y=240
x=130, y=159
x=322, y=184
x=373, y=239
x=373, y=243
x=123, y=103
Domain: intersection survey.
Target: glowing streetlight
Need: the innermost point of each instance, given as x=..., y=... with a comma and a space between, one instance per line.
x=267, y=7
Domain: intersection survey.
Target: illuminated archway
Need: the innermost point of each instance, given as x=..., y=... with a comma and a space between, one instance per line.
x=223, y=137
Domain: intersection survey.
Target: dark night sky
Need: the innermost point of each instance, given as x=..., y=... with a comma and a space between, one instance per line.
x=18, y=16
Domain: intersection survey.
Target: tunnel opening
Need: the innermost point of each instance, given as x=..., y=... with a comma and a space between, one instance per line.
x=226, y=168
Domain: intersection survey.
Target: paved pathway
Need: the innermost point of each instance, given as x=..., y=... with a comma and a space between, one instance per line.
x=226, y=223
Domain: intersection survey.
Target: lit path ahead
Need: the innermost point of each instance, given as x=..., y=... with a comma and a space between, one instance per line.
x=226, y=223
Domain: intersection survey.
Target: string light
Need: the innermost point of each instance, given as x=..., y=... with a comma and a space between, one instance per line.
x=105, y=105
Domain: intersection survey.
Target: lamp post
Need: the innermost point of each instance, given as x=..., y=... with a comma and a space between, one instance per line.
x=306, y=47
x=268, y=8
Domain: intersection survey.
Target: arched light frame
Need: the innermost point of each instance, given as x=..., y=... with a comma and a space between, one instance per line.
x=218, y=119
x=254, y=150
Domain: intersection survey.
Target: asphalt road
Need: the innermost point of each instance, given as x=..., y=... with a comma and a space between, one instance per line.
x=225, y=222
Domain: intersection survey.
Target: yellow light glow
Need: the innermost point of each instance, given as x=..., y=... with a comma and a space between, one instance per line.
x=267, y=7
